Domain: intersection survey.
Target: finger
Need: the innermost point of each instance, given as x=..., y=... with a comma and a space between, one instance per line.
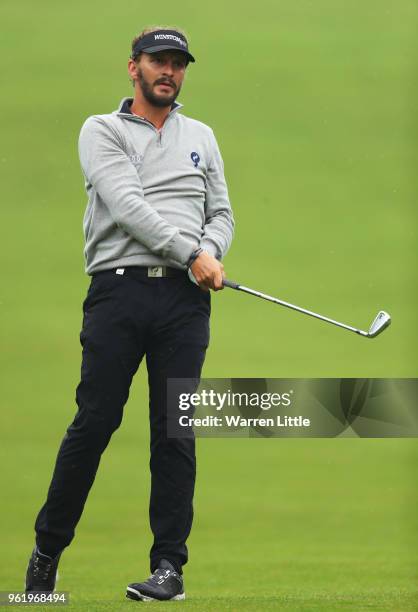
x=217, y=282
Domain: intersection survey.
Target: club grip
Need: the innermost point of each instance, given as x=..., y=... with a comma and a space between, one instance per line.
x=231, y=284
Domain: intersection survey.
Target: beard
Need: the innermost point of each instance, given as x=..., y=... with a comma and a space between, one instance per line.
x=161, y=101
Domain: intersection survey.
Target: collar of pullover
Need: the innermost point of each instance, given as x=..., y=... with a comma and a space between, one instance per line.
x=125, y=109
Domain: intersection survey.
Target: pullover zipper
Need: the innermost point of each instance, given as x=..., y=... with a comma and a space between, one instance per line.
x=143, y=120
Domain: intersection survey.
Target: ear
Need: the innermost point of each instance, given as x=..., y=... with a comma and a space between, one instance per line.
x=132, y=67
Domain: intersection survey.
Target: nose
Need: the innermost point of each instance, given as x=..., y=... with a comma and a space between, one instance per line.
x=168, y=68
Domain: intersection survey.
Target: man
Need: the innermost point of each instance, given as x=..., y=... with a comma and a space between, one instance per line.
x=158, y=218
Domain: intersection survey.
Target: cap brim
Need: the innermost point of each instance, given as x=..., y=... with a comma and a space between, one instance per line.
x=168, y=48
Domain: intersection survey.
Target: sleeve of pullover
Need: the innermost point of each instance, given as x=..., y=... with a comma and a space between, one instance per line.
x=110, y=171
x=219, y=225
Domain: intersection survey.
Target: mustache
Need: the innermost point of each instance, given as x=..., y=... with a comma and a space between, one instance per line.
x=165, y=80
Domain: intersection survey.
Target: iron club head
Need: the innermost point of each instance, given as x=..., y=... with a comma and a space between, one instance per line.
x=381, y=322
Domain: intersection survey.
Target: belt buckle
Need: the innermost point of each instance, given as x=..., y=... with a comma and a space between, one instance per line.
x=156, y=271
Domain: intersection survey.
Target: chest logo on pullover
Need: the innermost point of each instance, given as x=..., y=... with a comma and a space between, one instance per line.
x=195, y=158
x=136, y=159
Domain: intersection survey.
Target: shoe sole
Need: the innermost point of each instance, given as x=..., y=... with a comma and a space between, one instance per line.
x=138, y=596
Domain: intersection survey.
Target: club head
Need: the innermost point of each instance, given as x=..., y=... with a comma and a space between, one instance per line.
x=381, y=322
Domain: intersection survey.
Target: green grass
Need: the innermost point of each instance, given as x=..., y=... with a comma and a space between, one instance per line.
x=314, y=107
x=279, y=524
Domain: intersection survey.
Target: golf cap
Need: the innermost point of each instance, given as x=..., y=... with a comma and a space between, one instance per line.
x=162, y=40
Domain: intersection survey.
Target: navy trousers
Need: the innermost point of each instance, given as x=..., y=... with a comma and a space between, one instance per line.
x=127, y=317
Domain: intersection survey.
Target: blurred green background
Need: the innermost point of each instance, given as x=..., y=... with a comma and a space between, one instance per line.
x=314, y=107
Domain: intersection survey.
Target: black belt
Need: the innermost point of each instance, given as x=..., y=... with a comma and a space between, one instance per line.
x=145, y=271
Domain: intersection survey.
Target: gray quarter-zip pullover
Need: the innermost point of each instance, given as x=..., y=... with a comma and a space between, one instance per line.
x=154, y=195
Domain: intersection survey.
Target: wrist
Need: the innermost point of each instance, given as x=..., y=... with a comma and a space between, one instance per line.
x=194, y=256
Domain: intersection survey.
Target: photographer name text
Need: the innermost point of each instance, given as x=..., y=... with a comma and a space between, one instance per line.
x=237, y=421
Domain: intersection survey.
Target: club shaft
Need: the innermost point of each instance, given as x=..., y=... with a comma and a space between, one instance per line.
x=270, y=298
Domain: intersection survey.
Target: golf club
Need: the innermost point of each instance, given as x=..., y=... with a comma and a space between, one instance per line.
x=381, y=321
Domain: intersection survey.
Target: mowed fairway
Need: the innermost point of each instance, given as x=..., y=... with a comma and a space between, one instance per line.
x=314, y=107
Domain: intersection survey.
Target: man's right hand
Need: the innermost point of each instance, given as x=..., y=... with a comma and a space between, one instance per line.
x=208, y=272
